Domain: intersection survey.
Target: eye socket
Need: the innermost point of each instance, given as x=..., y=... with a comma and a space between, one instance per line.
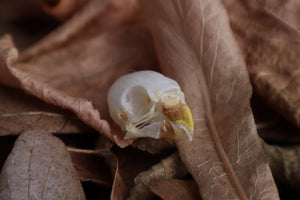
x=137, y=101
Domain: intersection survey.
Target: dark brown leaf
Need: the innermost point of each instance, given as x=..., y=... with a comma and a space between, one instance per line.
x=63, y=9
x=91, y=166
x=271, y=126
x=130, y=162
x=169, y=168
x=39, y=167
x=96, y=16
x=285, y=11
x=154, y=146
x=271, y=48
x=196, y=47
x=175, y=189
x=25, y=21
x=285, y=164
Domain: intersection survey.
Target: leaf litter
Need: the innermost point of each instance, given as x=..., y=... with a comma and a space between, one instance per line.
x=73, y=67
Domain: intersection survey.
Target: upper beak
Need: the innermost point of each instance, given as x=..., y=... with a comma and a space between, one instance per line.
x=181, y=120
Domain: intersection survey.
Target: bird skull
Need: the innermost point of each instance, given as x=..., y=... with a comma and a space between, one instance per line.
x=148, y=104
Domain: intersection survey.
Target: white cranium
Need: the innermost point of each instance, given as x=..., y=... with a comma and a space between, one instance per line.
x=148, y=104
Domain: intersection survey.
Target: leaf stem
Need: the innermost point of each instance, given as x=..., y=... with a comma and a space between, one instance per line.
x=224, y=158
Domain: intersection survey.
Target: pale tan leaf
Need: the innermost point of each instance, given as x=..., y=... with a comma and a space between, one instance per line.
x=196, y=47
x=39, y=167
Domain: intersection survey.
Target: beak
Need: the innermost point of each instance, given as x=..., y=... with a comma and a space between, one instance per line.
x=181, y=120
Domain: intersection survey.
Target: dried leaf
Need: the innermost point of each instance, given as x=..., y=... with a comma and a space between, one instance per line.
x=19, y=112
x=39, y=167
x=195, y=46
x=169, y=168
x=63, y=9
x=285, y=164
x=79, y=80
x=175, y=189
x=96, y=16
x=91, y=166
x=130, y=162
x=25, y=21
x=271, y=126
x=154, y=146
x=271, y=48
x=286, y=11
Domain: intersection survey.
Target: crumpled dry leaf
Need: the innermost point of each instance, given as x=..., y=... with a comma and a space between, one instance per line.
x=39, y=167
x=154, y=146
x=271, y=48
x=25, y=21
x=271, y=126
x=63, y=9
x=195, y=46
x=285, y=11
x=91, y=166
x=19, y=112
x=285, y=164
x=82, y=70
x=176, y=189
x=130, y=162
x=96, y=16
x=169, y=168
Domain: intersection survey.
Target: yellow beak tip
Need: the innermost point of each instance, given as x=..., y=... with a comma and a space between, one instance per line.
x=184, y=122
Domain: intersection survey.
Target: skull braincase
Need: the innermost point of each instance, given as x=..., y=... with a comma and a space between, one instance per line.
x=136, y=102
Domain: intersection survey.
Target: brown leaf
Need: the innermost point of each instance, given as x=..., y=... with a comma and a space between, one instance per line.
x=154, y=146
x=170, y=167
x=130, y=162
x=96, y=16
x=195, y=46
x=91, y=166
x=286, y=11
x=63, y=9
x=285, y=164
x=271, y=48
x=25, y=21
x=175, y=189
x=271, y=126
x=81, y=71
x=19, y=112
x=39, y=167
